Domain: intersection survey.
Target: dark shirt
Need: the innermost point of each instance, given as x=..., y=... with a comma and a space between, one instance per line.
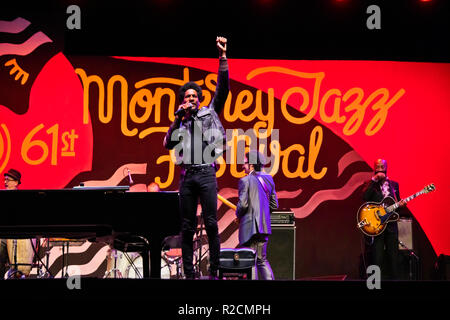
x=194, y=131
x=373, y=190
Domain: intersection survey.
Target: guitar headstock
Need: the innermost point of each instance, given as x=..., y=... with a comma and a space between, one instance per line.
x=429, y=188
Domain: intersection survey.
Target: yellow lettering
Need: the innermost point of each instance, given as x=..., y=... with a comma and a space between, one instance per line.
x=347, y=107
x=171, y=171
x=151, y=130
x=243, y=101
x=356, y=119
x=269, y=118
x=318, y=77
x=145, y=100
x=315, y=142
x=383, y=106
x=222, y=166
x=285, y=162
x=86, y=81
x=335, y=117
x=305, y=103
x=236, y=138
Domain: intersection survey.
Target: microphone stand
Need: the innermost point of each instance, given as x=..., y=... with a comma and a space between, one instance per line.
x=115, y=272
x=15, y=256
x=65, y=260
x=128, y=173
x=45, y=274
x=412, y=255
x=47, y=261
x=129, y=177
x=40, y=264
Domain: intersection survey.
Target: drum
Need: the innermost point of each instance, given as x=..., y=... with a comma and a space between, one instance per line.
x=21, y=254
x=134, y=272
x=119, y=266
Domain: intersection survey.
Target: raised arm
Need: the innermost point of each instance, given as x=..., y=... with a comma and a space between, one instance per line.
x=223, y=81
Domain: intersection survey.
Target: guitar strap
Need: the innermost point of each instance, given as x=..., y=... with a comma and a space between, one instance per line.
x=264, y=187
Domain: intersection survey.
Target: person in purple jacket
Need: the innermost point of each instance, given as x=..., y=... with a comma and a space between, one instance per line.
x=257, y=197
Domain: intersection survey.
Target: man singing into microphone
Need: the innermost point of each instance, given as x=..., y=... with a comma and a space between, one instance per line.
x=198, y=135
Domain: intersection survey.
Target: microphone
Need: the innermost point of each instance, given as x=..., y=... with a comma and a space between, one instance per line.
x=181, y=112
x=129, y=177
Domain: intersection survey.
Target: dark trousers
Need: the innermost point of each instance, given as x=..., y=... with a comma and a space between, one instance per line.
x=259, y=243
x=194, y=186
x=384, y=252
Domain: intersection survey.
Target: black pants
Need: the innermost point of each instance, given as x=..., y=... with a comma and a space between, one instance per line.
x=259, y=243
x=384, y=252
x=194, y=185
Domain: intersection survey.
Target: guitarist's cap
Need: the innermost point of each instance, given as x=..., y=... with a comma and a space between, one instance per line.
x=380, y=165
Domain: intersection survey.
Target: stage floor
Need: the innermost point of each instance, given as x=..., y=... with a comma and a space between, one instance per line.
x=231, y=299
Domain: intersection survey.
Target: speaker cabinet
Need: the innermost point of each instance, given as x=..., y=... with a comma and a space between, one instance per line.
x=405, y=234
x=281, y=252
x=408, y=261
x=443, y=267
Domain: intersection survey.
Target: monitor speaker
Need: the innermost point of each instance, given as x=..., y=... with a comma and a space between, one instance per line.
x=405, y=234
x=281, y=252
x=443, y=267
x=409, y=265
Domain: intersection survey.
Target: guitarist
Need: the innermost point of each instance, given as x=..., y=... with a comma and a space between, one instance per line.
x=257, y=196
x=384, y=245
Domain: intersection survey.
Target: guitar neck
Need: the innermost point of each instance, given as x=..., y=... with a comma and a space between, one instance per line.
x=397, y=204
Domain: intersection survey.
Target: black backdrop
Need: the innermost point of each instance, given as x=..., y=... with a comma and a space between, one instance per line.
x=411, y=30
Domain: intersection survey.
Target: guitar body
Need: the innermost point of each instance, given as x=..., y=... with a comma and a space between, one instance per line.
x=372, y=217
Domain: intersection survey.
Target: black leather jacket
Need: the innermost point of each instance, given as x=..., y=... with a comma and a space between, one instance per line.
x=207, y=118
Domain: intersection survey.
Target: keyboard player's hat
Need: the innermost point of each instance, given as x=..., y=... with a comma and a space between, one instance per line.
x=14, y=174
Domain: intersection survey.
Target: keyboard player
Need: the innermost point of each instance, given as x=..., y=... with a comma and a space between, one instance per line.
x=19, y=251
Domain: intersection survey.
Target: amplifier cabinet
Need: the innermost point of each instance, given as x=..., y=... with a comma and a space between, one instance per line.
x=281, y=251
x=405, y=233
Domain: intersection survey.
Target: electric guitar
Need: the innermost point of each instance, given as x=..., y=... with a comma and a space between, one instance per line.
x=372, y=217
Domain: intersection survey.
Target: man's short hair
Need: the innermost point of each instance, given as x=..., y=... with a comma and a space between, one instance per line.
x=256, y=159
x=186, y=87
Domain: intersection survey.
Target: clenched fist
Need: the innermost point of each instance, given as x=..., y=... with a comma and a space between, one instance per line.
x=221, y=43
